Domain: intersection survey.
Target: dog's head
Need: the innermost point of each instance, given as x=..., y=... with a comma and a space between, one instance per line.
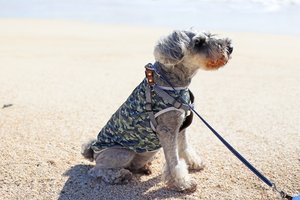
x=194, y=50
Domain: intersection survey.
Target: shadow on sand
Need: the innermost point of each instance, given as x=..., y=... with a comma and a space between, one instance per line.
x=82, y=186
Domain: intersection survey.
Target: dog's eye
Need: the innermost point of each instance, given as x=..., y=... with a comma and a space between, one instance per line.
x=200, y=41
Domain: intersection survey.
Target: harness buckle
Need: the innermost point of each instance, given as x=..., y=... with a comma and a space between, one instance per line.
x=148, y=107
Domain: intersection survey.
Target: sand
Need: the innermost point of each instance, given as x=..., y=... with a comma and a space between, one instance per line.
x=64, y=79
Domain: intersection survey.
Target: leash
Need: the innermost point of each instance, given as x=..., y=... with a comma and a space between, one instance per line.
x=283, y=194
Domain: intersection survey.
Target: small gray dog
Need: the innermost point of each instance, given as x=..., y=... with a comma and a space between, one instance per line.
x=157, y=113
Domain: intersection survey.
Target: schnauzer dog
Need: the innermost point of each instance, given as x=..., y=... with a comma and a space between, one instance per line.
x=157, y=113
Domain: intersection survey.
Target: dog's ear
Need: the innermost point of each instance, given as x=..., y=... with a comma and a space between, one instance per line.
x=170, y=50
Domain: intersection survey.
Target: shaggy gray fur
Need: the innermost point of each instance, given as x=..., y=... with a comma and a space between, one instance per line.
x=179, y=56
x=87, y=151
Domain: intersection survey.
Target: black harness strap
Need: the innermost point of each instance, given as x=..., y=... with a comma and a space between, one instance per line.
x=188, y=119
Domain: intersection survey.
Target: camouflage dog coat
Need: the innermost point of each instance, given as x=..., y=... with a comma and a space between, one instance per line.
x=131, y=127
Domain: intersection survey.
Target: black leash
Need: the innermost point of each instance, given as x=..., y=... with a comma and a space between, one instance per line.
x=235, y=152
x=244, y=161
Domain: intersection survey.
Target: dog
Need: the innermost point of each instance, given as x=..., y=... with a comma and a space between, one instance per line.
x=157, y=114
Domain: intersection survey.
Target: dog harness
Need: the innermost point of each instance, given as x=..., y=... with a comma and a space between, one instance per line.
x=133, y=125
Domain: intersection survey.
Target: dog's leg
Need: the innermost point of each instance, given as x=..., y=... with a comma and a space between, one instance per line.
x=141, y=162
x=175, y=172
x=111, y=164
x=187, y=152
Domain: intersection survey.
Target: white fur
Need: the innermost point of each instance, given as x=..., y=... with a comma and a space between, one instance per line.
x=193, y=160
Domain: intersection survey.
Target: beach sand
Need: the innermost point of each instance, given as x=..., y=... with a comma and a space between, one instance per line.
x=64, y=79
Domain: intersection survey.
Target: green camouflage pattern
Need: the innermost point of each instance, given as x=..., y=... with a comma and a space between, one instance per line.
x=129, y=126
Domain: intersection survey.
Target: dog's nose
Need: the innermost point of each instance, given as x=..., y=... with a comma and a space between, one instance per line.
x=200, y=41
x=230, y=49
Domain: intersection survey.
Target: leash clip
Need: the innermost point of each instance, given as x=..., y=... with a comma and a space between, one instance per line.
x=282, y=194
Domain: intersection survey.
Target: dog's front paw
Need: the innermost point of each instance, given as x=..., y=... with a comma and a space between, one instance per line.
x=178, y=179
x=193, y=160
x=188, y=186
x=196, y=164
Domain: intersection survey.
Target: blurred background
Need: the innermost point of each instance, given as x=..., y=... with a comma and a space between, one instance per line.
x=265, y=16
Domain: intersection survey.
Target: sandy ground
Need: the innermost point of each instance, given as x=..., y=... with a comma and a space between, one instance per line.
x=65, y=79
